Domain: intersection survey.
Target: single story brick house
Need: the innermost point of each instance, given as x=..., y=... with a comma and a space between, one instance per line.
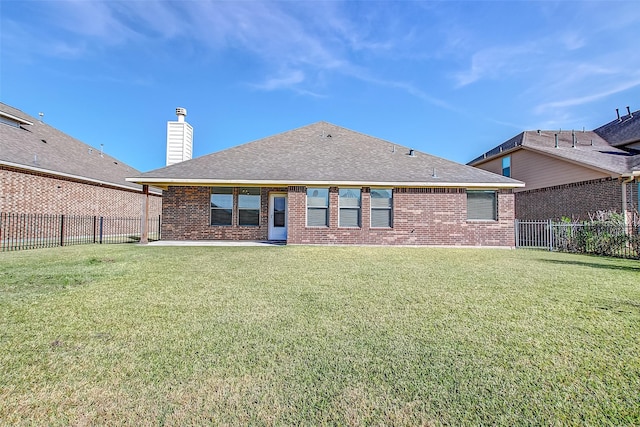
x=572, y=174
x=324, y=184
x=45, y=171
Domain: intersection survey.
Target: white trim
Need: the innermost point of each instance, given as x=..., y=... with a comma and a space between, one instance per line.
x=67, y=175
x=359, y=226
x=390, y=209
x=633, y=174
x=277, y=233
x=16, y=118
x=306, y=209
x=237, y=182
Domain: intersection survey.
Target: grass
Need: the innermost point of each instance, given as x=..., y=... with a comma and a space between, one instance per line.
x=129, y=335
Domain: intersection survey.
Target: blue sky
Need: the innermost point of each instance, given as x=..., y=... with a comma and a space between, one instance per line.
x=452, y=79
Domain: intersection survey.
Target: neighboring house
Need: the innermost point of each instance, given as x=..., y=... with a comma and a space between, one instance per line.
x=623, y=133
x=572, y=174
x=324, y=184
x=45, y=171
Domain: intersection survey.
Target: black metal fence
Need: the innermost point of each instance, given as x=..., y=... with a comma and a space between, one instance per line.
x=587, y=237
x=33, y=231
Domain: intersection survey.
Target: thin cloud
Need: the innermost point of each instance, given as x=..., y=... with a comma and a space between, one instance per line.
x=496, y=62
x=92, y=19
x=573, y=41
x=588, y=98
x=409, y=88
x=315, y=39
x=292, y=78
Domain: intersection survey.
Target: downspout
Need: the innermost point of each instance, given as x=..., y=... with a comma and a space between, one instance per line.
x=144, y=234
x=629, y=179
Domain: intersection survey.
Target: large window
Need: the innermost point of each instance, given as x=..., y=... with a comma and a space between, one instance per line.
x=246, y=207
x=482, y=205
x=317, y=207
x=249, y=206
x=349, y=204
x=506, y=166
x=221, y=205
x=381, y=207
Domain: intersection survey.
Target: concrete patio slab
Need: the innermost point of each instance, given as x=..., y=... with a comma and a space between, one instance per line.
x=215, y=243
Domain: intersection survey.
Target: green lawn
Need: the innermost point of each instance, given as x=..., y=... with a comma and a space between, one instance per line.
x=130, y=335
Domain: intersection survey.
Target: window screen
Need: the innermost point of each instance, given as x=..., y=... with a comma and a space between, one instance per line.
x=482, y=205
x=317, y=207
x=221, y=205
x=349, y=203
x=249, y=206
x=381, y=208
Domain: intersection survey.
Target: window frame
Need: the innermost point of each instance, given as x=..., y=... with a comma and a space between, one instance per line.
x=494, y=217
x=317, y=207
x=211, y=208
x=377, y=208
x=342, y=208
x=235, y=193
x=506, y=159
x=258, y=209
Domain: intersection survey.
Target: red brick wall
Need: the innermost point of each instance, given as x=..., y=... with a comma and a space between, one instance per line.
x=25, y=192
x=576, y=200
x=421, y=217
x=186, y=216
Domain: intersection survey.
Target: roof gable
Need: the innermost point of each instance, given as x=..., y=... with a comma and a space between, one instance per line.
x=323, y=153
x=586, y=148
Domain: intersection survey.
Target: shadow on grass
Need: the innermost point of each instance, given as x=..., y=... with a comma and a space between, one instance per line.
x=635, y=269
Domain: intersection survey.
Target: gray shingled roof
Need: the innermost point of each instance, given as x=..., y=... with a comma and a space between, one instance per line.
x=323, y=153
x=590, y=150
x=623, y=131
x=38, y=146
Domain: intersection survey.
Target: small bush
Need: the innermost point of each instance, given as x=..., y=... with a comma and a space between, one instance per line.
x=604, y=234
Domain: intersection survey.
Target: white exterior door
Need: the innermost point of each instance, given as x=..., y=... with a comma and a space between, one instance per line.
x=277, y=216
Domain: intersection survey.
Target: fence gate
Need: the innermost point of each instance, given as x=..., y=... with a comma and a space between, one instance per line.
x=534, y=234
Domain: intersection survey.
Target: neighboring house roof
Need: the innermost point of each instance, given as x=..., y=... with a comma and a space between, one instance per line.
x=622, y=131
x=589, y=150
x=28, y=143
x=323, y=154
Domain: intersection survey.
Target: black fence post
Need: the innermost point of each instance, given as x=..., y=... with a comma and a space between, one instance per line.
x=61, y=230
x=31, y=231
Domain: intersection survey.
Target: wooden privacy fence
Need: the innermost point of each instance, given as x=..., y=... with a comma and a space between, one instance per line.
x=587, y=237
x=32, y=231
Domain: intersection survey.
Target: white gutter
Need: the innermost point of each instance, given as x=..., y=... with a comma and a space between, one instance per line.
x=15, y=118
x=67, y=175
x=634, y=174
x=186, y=181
